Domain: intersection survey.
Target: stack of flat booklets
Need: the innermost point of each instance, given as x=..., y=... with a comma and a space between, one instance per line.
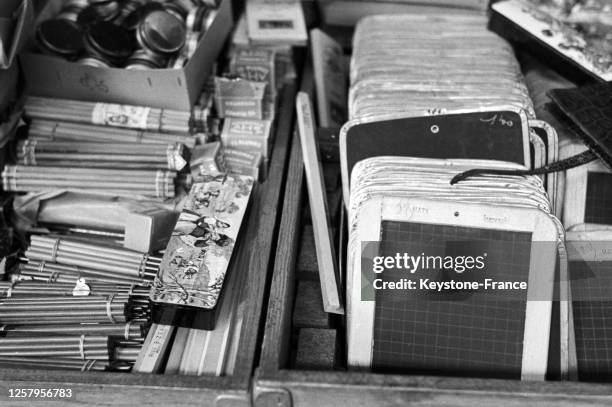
x=432, y=96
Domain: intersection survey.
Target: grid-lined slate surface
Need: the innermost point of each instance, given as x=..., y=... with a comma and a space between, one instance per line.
x=468, y=333
x=598, y=205
x=591, y=285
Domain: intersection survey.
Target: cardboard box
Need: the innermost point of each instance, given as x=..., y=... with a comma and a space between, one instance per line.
x=176, y=89
x=238, y=97
x=16, y=18
x=249, y=135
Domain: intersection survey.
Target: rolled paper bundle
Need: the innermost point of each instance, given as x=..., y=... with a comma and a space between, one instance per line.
x=66, y=131
x=104, y=155
x=113, y=115
x=21, y=178
x=128, y=330
x=54, y=272
x=94, y=256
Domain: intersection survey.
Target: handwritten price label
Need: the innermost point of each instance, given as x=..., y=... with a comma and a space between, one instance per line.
x=498, y=119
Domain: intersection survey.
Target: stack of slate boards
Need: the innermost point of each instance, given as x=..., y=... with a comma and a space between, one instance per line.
x=587, y=217
x=432, y=96
x=439, y=86
x=429, y=317
x=426, y=64
x=590, y=259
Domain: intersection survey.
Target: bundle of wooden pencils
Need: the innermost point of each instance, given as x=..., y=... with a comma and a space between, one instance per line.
x=83, y=303
x=102, y=155
x=113, y=115
x=114, y=261
x=77, y=305
x=148, y=183
x=41, y=129
x=47, y=325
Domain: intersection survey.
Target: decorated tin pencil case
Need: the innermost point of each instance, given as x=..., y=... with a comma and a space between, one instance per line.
x=190, y=282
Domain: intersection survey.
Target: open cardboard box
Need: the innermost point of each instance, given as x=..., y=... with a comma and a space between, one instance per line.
x=176, y=89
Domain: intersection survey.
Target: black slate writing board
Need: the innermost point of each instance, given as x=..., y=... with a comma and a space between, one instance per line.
x=493, y=135
x=590, y=108
x=478, y=334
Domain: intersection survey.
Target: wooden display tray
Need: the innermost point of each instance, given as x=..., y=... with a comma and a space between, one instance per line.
x=277, y=384
x=134, y=389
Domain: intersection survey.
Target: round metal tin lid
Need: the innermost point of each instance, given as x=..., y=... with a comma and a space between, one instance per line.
x=93, y=61
x=109, y=39
x=60, y=36
x=101, y=11
x=176, y=10
x=144, y=57
x=162, y=32
x=135, y=17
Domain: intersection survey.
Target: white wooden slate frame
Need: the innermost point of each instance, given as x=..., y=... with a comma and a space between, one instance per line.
x=539, y=151
x=576, y=192
x=541, y=275
x=552, y=179
x=345, y=176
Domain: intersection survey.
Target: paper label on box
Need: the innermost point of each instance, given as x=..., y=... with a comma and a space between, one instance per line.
x=272, y=21
x=110, y=114
x=241, y=108
x=248, y=127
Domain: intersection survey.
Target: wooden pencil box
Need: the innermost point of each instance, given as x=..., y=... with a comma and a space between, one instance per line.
x=285, y=379
x=252, y=263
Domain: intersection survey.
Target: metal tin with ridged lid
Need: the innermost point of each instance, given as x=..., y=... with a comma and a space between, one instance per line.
x=94, y=61
x=72, y=9
x=60, y=37
x=143, y=59
x=161, y=32
x=130, y=8
x=108, y=41
x=99, y=11
x=200, y=18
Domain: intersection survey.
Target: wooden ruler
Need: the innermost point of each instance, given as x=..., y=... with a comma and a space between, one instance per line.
x=326, y=258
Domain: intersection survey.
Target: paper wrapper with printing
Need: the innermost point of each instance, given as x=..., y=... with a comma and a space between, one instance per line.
x=197, y=259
